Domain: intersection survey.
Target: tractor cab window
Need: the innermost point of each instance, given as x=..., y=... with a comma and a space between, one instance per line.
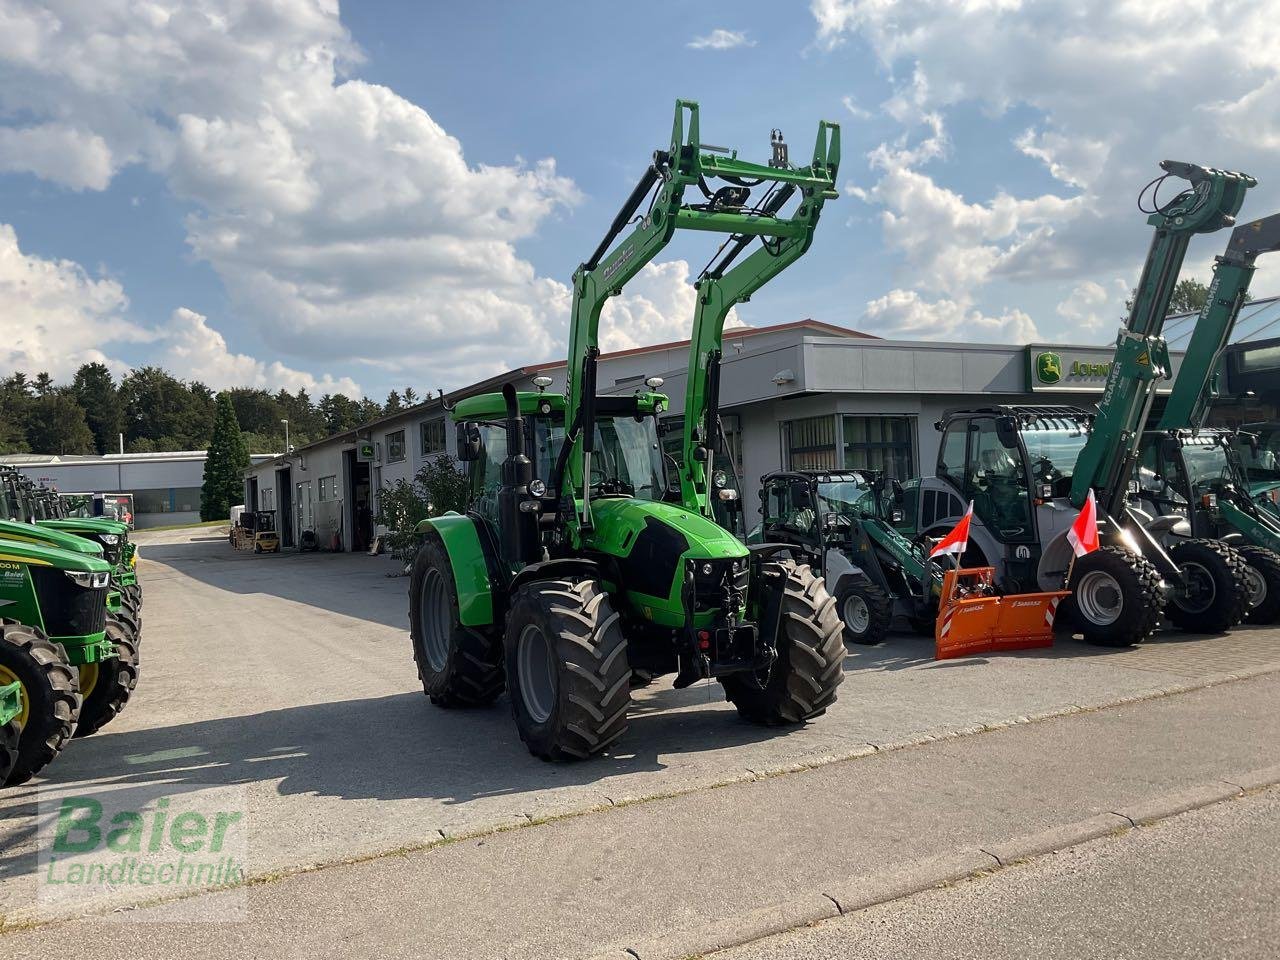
x=996, y=483
x=951, y=453
x=1206, y=465
x=1159, y=481
x=627, y=459
x=847, y=498
x=788, y=514
x=1264, y=463
x=486, y=472
x=1053, y=447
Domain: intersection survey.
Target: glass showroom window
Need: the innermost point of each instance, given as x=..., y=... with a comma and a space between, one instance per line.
x=879, y=443
x=329, y=488
x=395, y=446
x=810, y=443
x=432, y=437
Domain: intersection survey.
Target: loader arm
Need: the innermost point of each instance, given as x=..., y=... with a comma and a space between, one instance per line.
x=1142, y=356
x=686, y=163
x=1196, y=386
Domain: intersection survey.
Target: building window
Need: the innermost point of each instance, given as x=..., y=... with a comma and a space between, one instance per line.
x=432, y=437
x=810, y=443
x=329, y=488
x=879, y=443
x=395, y=446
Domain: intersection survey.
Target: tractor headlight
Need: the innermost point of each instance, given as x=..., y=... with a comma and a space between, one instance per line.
x=89, y=580
x=707, y=569
x=537, y=488
x=719, y=478
x=110, y=539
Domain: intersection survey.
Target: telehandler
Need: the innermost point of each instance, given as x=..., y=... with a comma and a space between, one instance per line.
x=584, y=556
x=1029, y=469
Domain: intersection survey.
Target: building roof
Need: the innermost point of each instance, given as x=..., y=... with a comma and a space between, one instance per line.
x=71, y=460
x=1258, y=320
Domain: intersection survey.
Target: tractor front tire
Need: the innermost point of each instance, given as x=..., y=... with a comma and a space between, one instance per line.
x=1218, y=595
x=865, y=609
x=1264, y=583
x=810, y=666
x=106, y=686
x=567, y=668
x=459, y=666
x=50, y=697
x=1116, y=598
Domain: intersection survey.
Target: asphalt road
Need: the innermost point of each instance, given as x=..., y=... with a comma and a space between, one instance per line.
x=1203, y=884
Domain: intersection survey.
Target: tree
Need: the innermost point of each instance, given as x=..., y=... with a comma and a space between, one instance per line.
x=410, y=396
x=224, y=465
x=158, y=405
x=96, y=392
x=44, y=383
x=1189, y=296
x=15, y=403
x=393, y=402
x=55, y=424
x=368, y=410
x=438, y=487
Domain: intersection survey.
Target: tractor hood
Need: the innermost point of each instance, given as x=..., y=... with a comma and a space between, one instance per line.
x=621, y=522
x=93, y=525
x=45, y=555
x=13, y=531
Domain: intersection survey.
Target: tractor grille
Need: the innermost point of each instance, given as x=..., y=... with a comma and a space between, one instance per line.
x=110, y=551
x=69, y=610
x=712, y=588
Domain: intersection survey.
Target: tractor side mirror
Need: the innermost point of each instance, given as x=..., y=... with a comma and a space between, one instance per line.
x=470, y=442
x=1007, y=432
x=895, y=488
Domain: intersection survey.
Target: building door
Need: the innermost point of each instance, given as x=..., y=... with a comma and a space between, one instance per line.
x=284, y=509
x=302, y=507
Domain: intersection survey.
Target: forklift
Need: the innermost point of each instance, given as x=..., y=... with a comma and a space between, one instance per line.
x=1028, y=469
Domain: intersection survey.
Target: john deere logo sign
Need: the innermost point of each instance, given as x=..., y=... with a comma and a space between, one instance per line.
x=1048, y=367
x=365, y=451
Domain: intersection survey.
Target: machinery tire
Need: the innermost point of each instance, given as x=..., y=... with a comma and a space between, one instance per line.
x=459, y=666
x=865, y=609
x=111, y=682
x=1264, y=589
x=10, y=734
x=567, y=668
x=923, y=626
x=50, y=691
x=129, y=621
x=1221, y=577
x=810, y=666
x=642, y=678
x=1116, y=598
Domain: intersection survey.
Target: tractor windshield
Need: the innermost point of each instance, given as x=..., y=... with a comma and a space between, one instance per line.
x=1053, y=446
x=628, y=459
x=847, y=497
x=1207, y=464
x=1263, y=463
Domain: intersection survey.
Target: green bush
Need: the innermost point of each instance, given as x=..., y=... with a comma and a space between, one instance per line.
x=435, y=489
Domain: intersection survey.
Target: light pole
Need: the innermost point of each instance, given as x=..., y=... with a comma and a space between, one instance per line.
x=287, y=448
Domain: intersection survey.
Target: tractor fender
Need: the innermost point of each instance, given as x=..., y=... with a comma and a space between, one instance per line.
x=474, y=569
x=836, y=567
x=562, y=568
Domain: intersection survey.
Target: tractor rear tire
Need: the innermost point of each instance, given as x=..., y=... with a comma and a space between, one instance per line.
x=567, y=668
x=1264, y=583
x=1116, y=598
x=1219, y=580
x=810, y=666
x=110, y=683
x=10, y=735
x=50, y=694
x=865, y=609
x=459, y=666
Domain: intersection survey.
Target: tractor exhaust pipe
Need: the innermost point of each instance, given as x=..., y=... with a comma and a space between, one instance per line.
x=518, y=527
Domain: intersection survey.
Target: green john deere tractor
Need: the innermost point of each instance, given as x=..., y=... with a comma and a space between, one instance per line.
x=109, y=670
x=586, y=558
x=843, y=520
x=56, y=643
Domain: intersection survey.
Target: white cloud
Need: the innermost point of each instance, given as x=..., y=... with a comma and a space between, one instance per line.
x=1116, y=85
x=71, y=157
x=1092, y=307
x=905, y=314
x=656, y=307
x=341, y=218
x=721, y=39
x=851, y=104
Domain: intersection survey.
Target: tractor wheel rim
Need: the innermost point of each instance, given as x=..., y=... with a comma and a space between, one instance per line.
x=7, y=677
x=1099, y=597
x=436, y=619
x=1257, y=586
x=536, y=667
x=88, y=677
x=857, y=616
x=1201, y=589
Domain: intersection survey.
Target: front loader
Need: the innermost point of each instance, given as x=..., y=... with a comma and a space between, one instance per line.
x=585, y=558
x=1028, y=469
x=10, y=729
x=1191, y=479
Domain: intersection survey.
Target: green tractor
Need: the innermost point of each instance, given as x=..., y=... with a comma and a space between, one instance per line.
x=108, y=671
x=56, y=643
x=10, y=728
x=1259, y=446
x=586, y=558
x=843, y=521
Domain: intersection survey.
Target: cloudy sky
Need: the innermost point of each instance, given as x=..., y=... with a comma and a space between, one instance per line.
x=288, y=193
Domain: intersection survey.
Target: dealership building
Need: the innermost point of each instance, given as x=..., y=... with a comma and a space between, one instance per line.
x=798, y=395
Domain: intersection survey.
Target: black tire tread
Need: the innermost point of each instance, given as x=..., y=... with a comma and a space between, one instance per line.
x=879, y=605
x=48, y=731
x=116, y=681
x=811, y=652
x=1230, y=609
x=1142, y=616
x=1267, y=563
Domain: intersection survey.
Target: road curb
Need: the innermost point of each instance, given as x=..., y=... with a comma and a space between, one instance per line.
x=853, y=894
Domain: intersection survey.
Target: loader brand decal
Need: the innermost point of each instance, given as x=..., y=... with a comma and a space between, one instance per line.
x=140, y=841
x=1048, y=367
x=11, y=572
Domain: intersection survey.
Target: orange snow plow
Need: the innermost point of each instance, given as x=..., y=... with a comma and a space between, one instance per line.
x=973, y=618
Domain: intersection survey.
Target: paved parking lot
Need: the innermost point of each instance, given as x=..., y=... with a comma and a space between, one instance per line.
x=291, y=675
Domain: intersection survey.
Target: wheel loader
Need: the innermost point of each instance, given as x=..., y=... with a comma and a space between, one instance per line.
x=585, y=557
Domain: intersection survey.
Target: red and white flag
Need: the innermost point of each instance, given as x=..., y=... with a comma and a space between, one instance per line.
x=1083, y=535
x=957, y=541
